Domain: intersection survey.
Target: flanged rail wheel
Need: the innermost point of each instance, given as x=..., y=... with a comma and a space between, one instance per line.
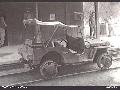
x=104, y=61
x=49, y=69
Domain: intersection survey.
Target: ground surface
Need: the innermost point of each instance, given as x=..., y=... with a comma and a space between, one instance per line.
x=90, y=75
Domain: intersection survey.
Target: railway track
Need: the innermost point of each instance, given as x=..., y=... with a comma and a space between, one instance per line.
x=73, y=73
x=62, y=76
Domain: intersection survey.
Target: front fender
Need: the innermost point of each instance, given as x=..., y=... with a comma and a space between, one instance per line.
x=39, y=53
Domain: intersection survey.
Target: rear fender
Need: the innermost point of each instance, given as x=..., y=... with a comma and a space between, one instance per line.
x=39, y=53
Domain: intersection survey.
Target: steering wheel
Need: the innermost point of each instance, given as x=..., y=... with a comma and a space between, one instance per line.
x=62, y=42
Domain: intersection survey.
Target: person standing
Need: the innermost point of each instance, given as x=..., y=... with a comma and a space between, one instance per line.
x=110, y=28
x=29, y=29
x=3, y=26
x=92, y=24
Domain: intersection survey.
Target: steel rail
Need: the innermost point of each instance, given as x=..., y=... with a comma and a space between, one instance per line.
x=67, y=75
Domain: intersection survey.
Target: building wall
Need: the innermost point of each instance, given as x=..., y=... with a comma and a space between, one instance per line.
x=47, y=8
x=64, y=12
x=14, y=11
x=14, y=16
x=71, y=19
x=71, y=8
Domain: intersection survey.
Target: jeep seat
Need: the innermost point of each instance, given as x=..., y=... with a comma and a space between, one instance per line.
x=76, y=44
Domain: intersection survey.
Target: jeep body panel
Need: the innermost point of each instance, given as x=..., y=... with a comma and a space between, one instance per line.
x=67, y=56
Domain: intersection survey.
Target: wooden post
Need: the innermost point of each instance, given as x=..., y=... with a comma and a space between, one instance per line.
x=37, y=33
x=97, y=20
x=36, y=10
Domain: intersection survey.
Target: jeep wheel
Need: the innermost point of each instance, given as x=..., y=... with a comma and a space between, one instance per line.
x=104, y=61
x=48, y=69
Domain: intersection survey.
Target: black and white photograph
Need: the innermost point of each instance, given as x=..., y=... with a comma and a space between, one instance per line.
x=59, y=44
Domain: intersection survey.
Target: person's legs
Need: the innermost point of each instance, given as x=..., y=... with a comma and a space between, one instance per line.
x=2, y=35
x=0, y=38
x=93, y=35
x=90, y=31
x=6, y=39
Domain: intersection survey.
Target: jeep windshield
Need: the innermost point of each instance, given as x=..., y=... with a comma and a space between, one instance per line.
x=55, y=29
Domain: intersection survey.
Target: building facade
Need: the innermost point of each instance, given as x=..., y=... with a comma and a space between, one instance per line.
x=65, y=12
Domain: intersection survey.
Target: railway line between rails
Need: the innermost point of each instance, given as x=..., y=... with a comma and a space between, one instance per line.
x=65, y=72
x=67, y=75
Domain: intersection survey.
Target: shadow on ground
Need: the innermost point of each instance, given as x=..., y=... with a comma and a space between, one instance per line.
x=5, y=54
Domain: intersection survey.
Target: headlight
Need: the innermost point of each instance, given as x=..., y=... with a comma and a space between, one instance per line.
x=87, y=44
x=107, y=43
